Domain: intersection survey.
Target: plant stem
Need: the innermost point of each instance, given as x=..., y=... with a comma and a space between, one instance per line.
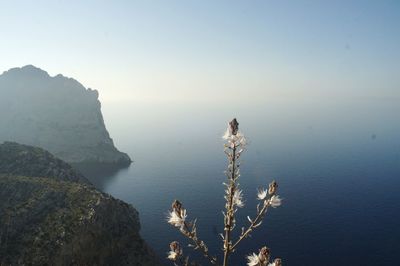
x=229, y=210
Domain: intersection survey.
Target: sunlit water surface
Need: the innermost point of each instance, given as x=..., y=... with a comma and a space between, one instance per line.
x=337, y=164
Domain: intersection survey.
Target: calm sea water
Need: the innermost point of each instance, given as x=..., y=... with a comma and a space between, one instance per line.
x=337, y=164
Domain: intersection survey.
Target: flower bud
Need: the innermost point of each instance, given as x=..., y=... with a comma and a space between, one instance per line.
x=178, y=209
x=264, y=254
x=273, y=186
x=278, y=262
x=234, y=126
x=176, y=251
x=177, y=206
x=174, y=246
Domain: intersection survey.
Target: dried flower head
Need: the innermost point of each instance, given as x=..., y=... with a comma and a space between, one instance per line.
x=232, y=130
x=261, y=259
x=275, y=201
x=238, y=198
x=174, y=246
x=262, y=194
x=175, y=252
x=234, y=126
x=177, y=216
x=273, y=186
x=176, y=205
x=264, y=255
x=234, y=137
x=277, y=262
x=253, y=260
x=241, y=140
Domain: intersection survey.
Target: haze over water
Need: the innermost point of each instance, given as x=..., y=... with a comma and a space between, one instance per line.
x=337, y=164
x=313, y=84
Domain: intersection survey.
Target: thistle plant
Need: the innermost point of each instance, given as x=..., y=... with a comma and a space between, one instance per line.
x=234, y=146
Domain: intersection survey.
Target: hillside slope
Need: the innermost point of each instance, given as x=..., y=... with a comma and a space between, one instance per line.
x=61, y=219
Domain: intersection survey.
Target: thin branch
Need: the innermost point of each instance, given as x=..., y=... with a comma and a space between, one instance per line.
x=198, y=244
x=253, y=224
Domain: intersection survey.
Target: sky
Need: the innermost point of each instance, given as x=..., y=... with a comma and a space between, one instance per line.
x=209, y=51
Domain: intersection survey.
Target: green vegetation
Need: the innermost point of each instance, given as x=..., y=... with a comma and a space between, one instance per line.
x=51, y=215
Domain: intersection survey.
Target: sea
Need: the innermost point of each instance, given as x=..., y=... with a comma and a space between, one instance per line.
x=336, y=161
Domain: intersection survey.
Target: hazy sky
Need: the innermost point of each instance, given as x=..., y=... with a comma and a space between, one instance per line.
x=208, y=51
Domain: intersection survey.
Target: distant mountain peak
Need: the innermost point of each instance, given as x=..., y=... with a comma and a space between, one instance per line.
x=29, y=70
x=32, y=68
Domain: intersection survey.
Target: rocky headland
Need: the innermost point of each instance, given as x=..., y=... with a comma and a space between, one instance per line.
x=56, y=113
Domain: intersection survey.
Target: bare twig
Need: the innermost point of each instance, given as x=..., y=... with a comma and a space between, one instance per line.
x=198, y=244
x=253, y=224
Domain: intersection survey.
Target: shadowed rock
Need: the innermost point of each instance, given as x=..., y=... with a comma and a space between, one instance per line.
x=61, y=219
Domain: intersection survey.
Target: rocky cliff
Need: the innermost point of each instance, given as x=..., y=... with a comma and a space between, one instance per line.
x=55, y=113
x=50, y=215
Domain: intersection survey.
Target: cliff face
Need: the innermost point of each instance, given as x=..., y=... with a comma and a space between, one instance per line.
x=55, y=113
x=60, y=219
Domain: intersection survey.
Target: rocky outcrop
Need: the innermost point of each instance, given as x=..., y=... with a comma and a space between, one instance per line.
x=57, y=114
x=62, y=220
x=18, y=159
